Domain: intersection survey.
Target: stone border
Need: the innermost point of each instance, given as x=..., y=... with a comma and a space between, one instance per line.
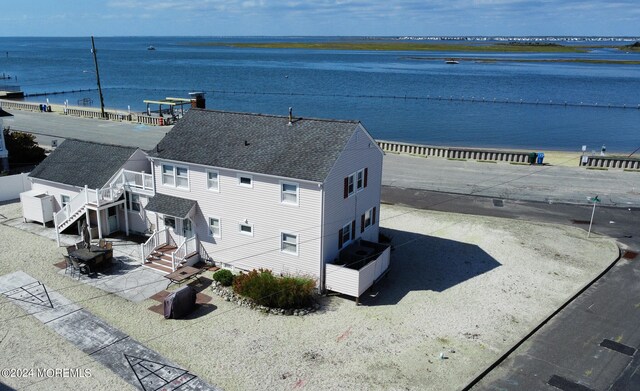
x=229, y=295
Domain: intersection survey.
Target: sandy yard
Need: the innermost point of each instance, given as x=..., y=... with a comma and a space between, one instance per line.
x=465, y=286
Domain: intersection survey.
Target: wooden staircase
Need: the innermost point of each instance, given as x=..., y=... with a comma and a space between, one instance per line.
x=160, y=258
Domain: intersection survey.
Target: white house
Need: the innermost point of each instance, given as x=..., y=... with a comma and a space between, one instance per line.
x=247, y=191
x=262, y=191
x=98, y=183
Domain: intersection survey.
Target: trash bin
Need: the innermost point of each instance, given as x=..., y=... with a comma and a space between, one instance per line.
x=540, y=157
x=532, y=157
x=41, y=107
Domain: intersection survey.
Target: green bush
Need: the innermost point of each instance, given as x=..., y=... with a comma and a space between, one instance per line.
x=224, y=277
x=268, y=290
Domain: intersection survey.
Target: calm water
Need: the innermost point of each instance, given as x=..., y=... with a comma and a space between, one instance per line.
x=368, y=86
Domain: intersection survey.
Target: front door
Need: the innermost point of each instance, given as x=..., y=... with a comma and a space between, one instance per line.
x=112, y=214
x=187, y=229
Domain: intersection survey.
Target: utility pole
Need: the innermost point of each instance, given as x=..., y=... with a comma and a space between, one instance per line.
x=95, y=59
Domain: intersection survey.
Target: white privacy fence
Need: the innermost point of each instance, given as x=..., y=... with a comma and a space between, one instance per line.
x=12, y=185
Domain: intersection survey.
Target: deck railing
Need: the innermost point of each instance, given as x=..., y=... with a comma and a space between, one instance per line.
x=157, y=239
x=7, y=104
x=138, y=182
x=74, y=205
x=187, y=247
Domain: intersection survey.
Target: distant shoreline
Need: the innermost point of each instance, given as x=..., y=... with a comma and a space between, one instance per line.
x=511, y=47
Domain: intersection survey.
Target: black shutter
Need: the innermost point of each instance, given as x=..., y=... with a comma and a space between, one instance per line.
x=346, y=187
x=362, y=224
x=340, y=239
x=366, y=174
x=353, y=230
x=373, y=216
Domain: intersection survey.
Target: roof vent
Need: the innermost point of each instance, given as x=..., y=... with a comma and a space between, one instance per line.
x=290, y=116
x=246, y=143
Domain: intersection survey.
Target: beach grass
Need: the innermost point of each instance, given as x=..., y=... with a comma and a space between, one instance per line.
x=403, y=46
x=533, y=60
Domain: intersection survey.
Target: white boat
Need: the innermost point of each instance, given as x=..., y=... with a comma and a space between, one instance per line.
x=151, y=47
x=451, y=62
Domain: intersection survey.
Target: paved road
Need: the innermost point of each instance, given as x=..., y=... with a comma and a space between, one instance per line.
x=501, y=180
x=48, y=126
x=568, y=347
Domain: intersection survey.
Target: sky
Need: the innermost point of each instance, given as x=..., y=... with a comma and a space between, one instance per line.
x=319, y=17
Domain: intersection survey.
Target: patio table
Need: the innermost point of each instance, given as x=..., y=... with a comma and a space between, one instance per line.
x=183, y=274
x=90, y=256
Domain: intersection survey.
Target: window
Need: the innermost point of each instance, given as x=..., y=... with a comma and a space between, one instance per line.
x=212, y=181
x=214, y=227
x=350, y=184
x=182, y=177
x=175, y=176
x=346, y=233
x=167, y=175
x=368, y=219
x=134, y=202
x=360, y=179
x=64, y=200
x=289, y=243
x=246, y=229
x=289, y=193
x=169, y=222
x=245, y=180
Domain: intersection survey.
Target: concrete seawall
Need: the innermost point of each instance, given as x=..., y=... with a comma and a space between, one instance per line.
x=509, y=156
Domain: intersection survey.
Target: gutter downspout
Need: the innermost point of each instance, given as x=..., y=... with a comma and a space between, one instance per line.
x=323, y=268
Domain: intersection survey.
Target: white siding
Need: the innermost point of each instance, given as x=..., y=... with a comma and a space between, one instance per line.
x=360, y=152
x=261, y=206
x=56, y=190
x=138, y=162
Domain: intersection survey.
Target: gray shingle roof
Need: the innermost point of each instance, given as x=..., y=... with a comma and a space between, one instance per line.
x=81, y=163
x=258, y=143
x=170, y=205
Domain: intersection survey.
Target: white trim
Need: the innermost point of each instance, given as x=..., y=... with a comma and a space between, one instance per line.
x=240, y=224
x=370, y=212
x=217, y=188
x=219, y=226
x=240, y=176
x=361, y=187
x=351, y=181
x=234, y=170
x=282, y=193
x=282, y=233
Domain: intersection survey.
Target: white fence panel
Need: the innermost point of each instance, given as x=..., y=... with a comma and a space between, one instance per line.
x=11, y=186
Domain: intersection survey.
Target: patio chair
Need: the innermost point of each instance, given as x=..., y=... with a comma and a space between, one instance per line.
x=69, y=265
x=79, y=267
x=101, y=243
x=71, y=249
x=81, y=244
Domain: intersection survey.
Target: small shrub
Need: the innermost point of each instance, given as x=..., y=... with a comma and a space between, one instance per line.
x=268, y=290
x=224, y=277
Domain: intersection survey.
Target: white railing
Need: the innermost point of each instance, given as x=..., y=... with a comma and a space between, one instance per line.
x=187, y=247
x=138, y=181
x=74, y=205
x=157, y=239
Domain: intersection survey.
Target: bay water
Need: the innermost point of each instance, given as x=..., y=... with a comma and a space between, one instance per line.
x=404, y=96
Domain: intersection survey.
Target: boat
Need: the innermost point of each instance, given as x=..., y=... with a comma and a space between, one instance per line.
x=151, y=47
x=452, y=61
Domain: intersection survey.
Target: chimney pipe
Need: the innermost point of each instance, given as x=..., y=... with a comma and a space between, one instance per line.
x=290, y=115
